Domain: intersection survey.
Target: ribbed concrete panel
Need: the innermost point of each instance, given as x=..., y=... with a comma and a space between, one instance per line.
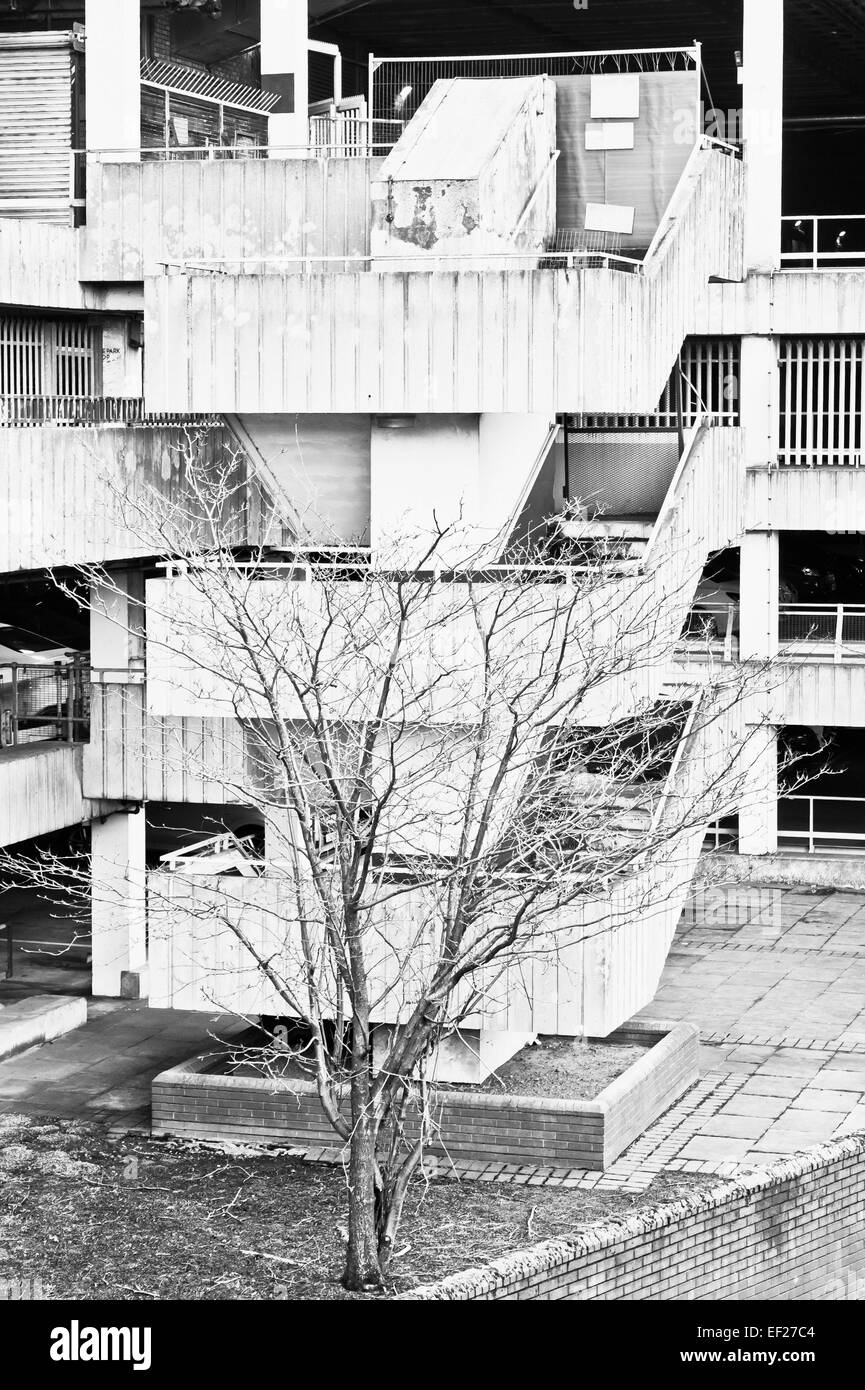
x=463, y=341
x=40, y=791
x=140, y=215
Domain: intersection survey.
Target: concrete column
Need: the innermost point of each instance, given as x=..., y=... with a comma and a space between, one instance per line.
x=759, y=403
x=113, y=73
x=119, y=905
x=760, y=580
x=762, y=117
x=285, y=70
x=758, y=812
x=117, y=625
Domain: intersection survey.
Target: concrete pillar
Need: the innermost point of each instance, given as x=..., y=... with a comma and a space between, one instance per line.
x=758, y=811
x=117, y=626
x=113, y=73
x=285, y=70
x=762, y=128
x=759, y=402
x=760, y=580
x=119, y=913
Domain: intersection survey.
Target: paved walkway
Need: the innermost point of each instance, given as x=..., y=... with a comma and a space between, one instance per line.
x=774, y=979
x=102, y=1072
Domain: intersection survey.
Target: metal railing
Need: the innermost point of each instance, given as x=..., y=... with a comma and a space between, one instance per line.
x=49, y=703
x=221, y=853
x=54, y=950
x=722, y=836
x=401, y=84
x=823, y=243
x=460, y=260
x=64, y=195
x=90, y=410
x=351, y=563
x=711, y=629
x=839, y=628
x=822, y=822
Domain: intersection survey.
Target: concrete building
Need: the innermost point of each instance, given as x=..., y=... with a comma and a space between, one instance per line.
x=609, y=262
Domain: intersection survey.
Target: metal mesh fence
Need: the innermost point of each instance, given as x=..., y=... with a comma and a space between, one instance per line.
x=44, y=703
x=399, y=85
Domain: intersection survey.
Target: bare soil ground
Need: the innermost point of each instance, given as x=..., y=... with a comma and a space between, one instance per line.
x=552, y=1067
x=95, y=1217
x=560, y=1069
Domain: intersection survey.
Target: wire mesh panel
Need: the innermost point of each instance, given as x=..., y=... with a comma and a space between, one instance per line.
x=821, y=395
x=44, y=703
x=588, y=249
x=797, y=624
x=399, y=85
x=838, y=625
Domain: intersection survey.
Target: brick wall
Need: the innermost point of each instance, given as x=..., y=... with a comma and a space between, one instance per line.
x=190, y=1102
x=793, y=1231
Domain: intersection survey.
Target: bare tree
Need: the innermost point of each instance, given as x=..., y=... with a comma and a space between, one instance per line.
x=455, y=763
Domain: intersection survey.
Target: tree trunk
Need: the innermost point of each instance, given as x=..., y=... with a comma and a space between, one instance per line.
x=362, y=1265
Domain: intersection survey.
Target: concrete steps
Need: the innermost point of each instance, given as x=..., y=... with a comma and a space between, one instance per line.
x=37, y=1020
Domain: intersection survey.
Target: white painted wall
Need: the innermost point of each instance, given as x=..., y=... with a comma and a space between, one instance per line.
x=121, y=362
x=467, y=472
x=113, y=57
x=116, y=624
x=321, y=464
x=758, y=813
x=119, y=911
x=463, y=175
x=760, y=579
x=762, y=98
x=284, y=40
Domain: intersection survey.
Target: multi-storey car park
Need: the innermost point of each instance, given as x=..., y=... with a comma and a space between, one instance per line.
x=249, y=216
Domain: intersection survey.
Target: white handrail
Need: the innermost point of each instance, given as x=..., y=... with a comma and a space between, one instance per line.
x=415, y=262
x=813, y=257
x=681, y=748
x=832, y=615
x=693, y=50
x=681, y=194
x=539, y=187
x=669, y=502
x=840, y=837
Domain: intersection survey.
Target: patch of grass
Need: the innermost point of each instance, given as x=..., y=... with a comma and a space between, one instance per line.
x=165, y=1220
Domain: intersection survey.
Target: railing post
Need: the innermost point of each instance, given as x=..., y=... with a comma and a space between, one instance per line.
x=839, y=633
x=58, y=691
x=810, y=825
x=815, y=230
x=7, y=928
x=14, y=705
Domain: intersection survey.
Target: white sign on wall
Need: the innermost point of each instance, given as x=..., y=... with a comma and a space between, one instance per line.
x=616, y=95
x=610, y=135
x=609, y=217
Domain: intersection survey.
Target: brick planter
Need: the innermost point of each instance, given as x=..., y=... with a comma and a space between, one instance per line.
x=193, y=1103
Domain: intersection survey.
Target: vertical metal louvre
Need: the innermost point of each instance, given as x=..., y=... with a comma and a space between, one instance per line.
x=708, y=369
x=45, y=357
x=74, y=359
x=36, y=72
x=21, y=357
x=821, y=401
